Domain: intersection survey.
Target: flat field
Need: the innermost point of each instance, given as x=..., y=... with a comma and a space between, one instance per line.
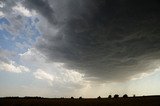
x=130, y=101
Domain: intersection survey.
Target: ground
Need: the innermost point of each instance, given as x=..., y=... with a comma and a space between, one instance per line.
x=36, y=101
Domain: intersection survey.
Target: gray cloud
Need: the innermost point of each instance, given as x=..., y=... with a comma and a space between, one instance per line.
x=6, y=55
x=108, y=40
x=42, y=7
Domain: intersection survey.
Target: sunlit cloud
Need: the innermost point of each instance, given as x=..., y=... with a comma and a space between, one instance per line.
x=2, y=4
x=13, y=67
x=144, y=75
x=22, y=10
x=42, y=75
x=1, y=14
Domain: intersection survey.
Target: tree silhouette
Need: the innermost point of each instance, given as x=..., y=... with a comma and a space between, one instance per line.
x=116, y=96
x=80, y=98
x=98, y=97
x=109, y=96
x=125, y=96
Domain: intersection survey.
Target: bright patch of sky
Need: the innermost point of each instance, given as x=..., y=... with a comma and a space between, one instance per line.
x=24, y=39
x=18, y=32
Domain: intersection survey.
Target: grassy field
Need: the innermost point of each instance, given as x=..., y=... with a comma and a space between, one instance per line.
x=130, y=101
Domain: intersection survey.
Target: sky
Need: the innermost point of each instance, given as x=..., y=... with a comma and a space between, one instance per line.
x=88, y=48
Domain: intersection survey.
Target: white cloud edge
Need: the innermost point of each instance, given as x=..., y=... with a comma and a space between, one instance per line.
x=24, y=11
x=1, y=14
x=13, y=67
x=50, y=71
x=2, y=4
x=144, y=75
x=42, y=75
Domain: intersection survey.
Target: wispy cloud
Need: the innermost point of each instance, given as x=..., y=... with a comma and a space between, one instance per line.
x=2, y=4
x=42, y=75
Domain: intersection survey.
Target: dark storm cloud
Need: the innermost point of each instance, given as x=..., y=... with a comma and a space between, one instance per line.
x=105, y=39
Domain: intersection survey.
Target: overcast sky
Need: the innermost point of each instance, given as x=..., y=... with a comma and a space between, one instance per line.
x=89, y=48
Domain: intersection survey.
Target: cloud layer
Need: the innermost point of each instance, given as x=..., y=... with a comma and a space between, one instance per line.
x=107, y=40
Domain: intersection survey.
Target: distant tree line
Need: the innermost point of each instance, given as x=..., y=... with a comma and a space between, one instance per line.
x=80, y=98
x=28, y=97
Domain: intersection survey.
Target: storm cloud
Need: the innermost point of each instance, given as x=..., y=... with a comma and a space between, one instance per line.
x=107, y=40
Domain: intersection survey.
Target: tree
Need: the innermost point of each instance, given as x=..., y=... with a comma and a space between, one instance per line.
x=109, y=96
x=98, y=97
x=125, y=96
x=116, y=96
x=80, y=98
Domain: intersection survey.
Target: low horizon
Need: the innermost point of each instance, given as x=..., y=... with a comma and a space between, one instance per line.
x=99, y=97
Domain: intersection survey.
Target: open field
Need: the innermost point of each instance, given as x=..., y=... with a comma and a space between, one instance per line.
x=130, y=101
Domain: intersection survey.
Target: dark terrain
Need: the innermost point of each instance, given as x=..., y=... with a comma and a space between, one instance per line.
x=37, y=101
